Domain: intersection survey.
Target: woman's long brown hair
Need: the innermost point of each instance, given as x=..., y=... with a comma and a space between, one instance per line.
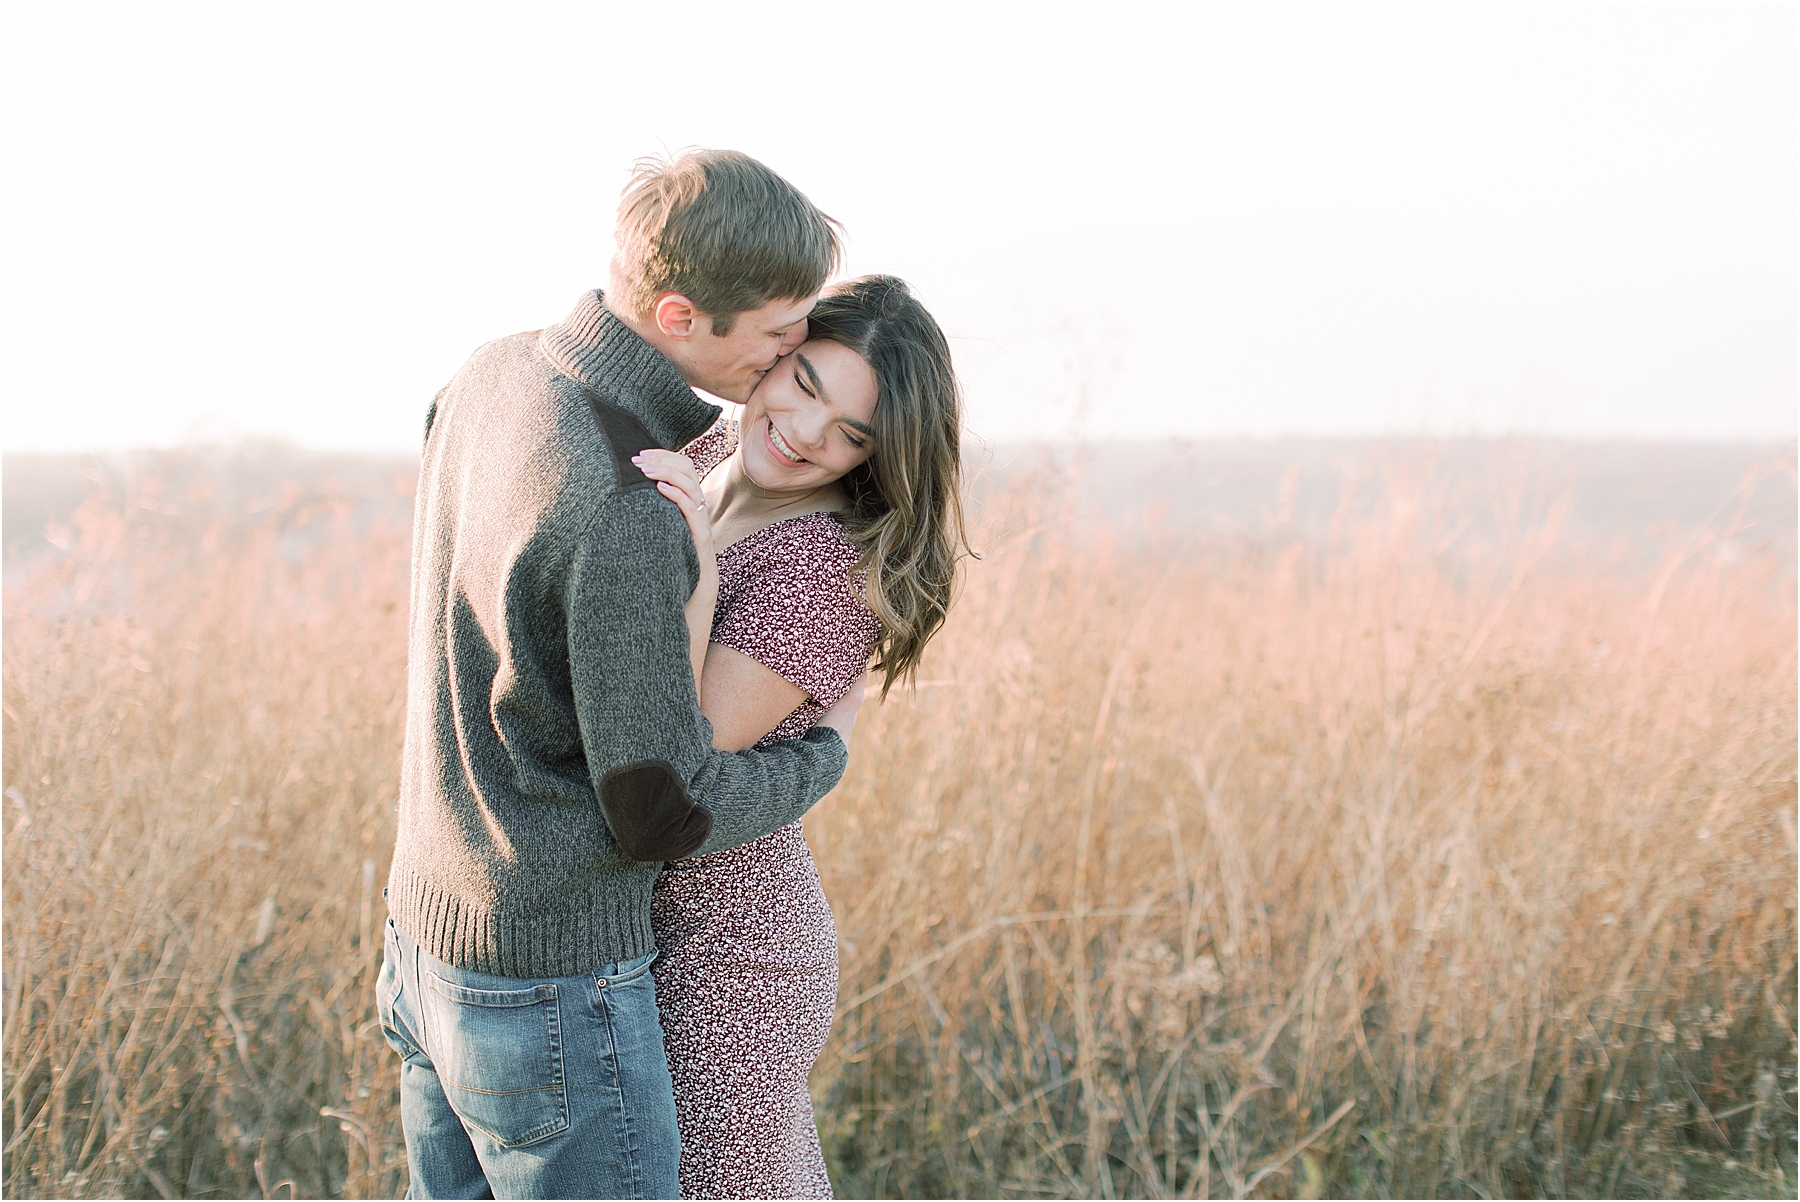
x=906, y=510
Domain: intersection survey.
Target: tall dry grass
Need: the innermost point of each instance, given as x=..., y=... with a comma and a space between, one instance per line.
x=1414, y=855
x=202, y=710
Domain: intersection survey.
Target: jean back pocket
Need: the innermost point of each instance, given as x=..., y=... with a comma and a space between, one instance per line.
x=498, y=1055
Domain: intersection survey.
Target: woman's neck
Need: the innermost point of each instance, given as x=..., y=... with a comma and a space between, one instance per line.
x=739, y=506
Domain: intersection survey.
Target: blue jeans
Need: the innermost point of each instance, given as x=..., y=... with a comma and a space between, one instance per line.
x=511, y=1088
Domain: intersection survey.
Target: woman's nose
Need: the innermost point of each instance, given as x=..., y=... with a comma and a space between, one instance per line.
x=812, y=427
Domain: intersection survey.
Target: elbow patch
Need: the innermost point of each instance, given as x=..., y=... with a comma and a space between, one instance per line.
x=647, y=805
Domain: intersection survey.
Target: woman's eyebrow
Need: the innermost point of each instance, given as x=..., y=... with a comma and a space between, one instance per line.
x=813, y=375
x=819, y=391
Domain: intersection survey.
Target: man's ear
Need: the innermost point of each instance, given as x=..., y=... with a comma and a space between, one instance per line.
x=674, y=315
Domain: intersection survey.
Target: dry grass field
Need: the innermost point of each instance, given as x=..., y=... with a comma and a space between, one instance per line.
x=1426, y=849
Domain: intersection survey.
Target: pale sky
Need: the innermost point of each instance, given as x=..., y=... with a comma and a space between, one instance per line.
x=297, y=220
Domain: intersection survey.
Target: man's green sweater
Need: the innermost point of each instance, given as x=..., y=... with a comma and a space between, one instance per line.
x=555, y=752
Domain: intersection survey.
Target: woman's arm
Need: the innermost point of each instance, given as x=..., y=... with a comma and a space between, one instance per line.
x=744, y=700
x=677, y=480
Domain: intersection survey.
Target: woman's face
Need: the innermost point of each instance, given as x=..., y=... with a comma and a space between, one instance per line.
x=810, y=420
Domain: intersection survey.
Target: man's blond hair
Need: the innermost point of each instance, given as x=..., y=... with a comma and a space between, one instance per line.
x=724, y=231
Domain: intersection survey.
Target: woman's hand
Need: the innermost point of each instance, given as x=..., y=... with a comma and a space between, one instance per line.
x=677, y=480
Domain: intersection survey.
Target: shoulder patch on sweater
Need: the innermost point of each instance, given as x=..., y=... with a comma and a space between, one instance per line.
x=626, y=436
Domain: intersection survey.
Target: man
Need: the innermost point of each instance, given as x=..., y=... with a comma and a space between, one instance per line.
x=555, y=752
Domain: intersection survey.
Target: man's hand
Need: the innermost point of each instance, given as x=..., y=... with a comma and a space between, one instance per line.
x=841, y=717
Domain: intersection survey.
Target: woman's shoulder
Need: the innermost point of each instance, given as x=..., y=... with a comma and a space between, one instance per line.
x=798, y=571
x=790, y=600
x=715, y=446
x=812, y=541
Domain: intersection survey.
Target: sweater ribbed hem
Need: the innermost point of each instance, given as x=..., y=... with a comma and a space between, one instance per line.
x=609, y=925
x=595, y=347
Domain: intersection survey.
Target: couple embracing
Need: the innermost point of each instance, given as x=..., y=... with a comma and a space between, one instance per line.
x=638, y=638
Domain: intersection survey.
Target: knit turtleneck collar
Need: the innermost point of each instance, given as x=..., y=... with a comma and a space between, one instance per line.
x=607, y=355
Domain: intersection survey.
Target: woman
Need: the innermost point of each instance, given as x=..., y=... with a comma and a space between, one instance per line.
x=834, y=503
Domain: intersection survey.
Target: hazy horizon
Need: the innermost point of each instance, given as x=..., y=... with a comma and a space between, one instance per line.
x=1609, y=489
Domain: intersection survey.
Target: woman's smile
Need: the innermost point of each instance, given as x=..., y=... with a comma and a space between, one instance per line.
x=783, y=449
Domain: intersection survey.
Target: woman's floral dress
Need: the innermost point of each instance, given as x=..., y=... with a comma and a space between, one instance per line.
x=747, y=975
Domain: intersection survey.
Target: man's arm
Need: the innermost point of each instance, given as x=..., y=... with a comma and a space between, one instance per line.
x=649, y=750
